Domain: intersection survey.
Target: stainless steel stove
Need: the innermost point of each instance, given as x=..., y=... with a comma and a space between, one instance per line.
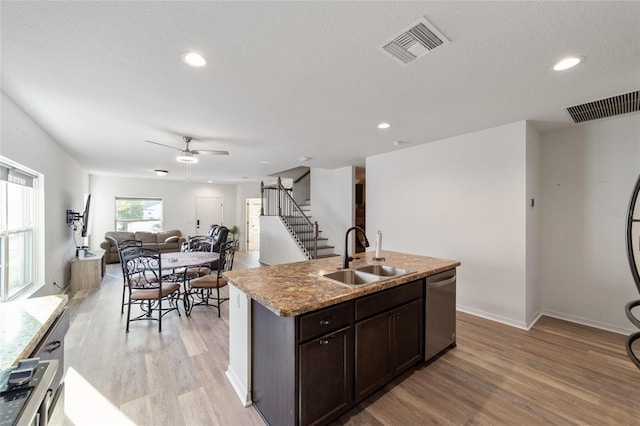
x=25, y=391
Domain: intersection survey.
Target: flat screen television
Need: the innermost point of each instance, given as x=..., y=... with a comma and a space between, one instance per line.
x=85, y=217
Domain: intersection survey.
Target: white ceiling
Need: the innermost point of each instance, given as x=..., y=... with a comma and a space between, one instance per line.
x=292, y=79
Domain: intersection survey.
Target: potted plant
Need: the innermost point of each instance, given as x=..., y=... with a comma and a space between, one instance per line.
x=233, y=231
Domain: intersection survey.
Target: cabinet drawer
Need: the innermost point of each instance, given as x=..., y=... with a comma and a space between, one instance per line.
x=52, y=345
x=326, y=320
x=379, y=302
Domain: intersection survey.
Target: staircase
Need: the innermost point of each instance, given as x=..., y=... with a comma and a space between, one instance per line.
x=324, y=248
x=277, y=201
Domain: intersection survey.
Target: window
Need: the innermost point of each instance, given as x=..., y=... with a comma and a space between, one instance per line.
x=18, y=228
x=138, y=214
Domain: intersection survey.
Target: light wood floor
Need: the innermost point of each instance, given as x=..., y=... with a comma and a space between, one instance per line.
x=556, y=373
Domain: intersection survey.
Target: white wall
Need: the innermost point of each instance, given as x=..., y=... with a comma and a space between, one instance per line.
x=65, y=183
x=276, y=245
x=333, y=204
x=244, y=191
x=179, y=202
x=588, y=175
x=461, y=198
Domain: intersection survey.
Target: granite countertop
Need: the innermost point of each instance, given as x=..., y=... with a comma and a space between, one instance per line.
x=292, y=289
x=24, y=323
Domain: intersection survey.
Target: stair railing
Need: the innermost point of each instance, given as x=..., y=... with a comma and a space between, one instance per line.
x=277, y=201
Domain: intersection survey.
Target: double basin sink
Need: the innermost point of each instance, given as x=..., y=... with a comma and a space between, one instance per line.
x=365, y=274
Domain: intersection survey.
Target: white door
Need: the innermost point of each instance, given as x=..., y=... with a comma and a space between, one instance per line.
x=253, y=223
x=208, y=212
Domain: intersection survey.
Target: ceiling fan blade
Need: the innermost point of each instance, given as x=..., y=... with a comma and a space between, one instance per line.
x=166, y=146
x=209, y=152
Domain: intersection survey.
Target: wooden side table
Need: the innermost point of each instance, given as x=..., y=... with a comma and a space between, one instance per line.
x=87, y=272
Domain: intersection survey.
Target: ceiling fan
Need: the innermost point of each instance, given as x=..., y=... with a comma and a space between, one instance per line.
x=189, y=155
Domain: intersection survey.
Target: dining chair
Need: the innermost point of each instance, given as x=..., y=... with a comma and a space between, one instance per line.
x=143, y=271
x=120, y=246
x=200, y=291
x=217, y=235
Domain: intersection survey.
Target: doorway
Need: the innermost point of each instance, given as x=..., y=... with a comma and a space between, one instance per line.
x=253, y=223
x=208, y=212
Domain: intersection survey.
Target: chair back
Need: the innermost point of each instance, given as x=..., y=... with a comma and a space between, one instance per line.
x=142, y=267
x=127, y=243
x=219, y=237
x=121, y=245
x=211, y=230
x=227, y=253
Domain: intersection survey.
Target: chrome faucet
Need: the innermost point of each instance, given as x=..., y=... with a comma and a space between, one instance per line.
x=346, y=259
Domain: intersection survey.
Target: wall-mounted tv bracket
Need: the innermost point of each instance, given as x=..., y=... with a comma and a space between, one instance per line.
x=73, y=218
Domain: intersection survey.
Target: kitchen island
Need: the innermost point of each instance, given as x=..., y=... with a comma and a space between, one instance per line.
x=305, y=349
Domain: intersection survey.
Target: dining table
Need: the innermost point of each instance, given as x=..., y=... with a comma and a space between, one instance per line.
x=180, y=263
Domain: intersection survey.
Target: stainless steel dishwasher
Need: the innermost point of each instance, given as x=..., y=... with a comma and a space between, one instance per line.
x=440, y=314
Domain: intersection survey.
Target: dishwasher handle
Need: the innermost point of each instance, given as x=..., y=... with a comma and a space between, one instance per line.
x=436, y=284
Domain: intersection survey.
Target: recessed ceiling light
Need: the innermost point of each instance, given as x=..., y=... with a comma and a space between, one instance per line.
x=398, y=143
x=186, y=157
x=384, y=125
x=209, y=181
x=194, y=59
x=161, y=172
x=567, y=63
x=264, y=162
x=304, y=158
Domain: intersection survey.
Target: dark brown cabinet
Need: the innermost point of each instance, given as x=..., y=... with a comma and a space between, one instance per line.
x=302, y=367
x=373, y=354
x=326, y=376
x=310, y=369
x=388, y=343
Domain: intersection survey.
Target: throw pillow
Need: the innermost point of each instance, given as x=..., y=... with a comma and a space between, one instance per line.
x=112, y=240
x=172, y=239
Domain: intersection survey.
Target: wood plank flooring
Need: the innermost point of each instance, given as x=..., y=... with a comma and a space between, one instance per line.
x=556, y=373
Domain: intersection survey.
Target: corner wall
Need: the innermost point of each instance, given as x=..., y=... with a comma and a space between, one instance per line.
x=588, y=175
x=65, y=183
x=533, y=220
x=460, y=198
x=333, y=204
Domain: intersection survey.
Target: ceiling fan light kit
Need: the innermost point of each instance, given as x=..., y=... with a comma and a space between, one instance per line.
x=187, y=157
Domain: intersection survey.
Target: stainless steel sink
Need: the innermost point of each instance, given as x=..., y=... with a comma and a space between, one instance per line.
x=383, y=270
x=350, y=277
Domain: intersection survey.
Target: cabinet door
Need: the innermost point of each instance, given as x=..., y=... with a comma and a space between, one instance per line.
x=407, y=336
x=373, y=355
x=326, y=376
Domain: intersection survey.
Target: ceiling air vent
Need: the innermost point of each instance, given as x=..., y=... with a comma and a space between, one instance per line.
x=415, y=41
x=615, y=105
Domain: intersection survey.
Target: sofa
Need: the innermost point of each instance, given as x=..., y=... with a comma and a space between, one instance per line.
x=168, y=241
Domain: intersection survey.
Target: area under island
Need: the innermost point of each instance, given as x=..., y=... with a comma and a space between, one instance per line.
x=305, y=349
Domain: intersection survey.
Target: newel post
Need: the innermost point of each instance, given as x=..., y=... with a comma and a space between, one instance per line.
x=279, y=197
x=261, y=198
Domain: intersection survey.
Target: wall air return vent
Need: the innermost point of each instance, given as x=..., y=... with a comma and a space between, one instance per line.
x=415, y=41
x=615, y=105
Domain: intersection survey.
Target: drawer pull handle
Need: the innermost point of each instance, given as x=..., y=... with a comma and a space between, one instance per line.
x=53, y=346
x=326, y=341
x=325, y=322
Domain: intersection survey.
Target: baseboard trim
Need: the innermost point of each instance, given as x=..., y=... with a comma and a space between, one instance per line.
x=518, y=324
x=590, y=323
x=565, y=317
x=241, y=391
